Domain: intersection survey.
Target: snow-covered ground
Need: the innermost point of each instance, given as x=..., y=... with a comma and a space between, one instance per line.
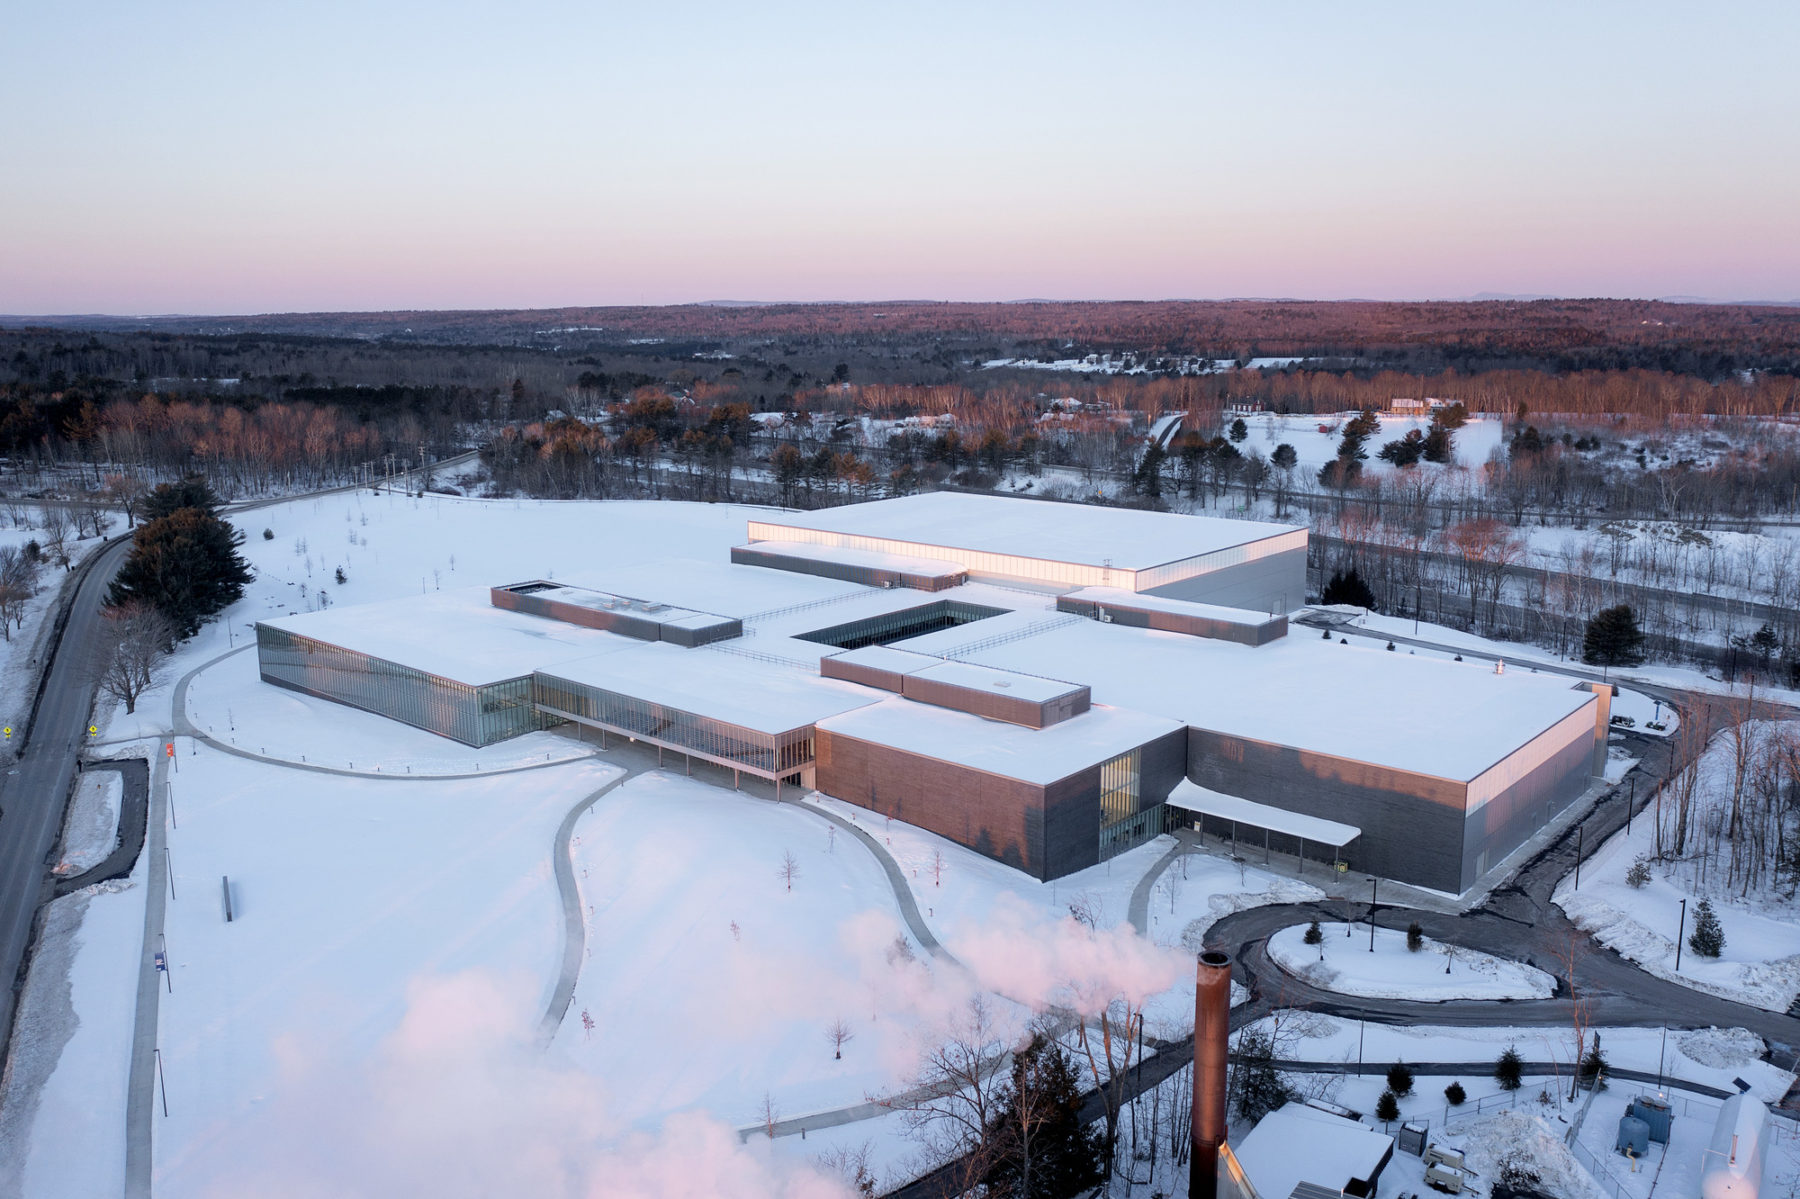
x=1315, y=438
x=1392, y=971
x=1760, y=963
x=91, y=829
x=20, y=650
x=62, y=1110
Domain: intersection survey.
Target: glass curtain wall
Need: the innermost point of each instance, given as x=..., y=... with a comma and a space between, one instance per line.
x=898, y=626
x=1122, y=825
x=473, y=715
x=766, y=754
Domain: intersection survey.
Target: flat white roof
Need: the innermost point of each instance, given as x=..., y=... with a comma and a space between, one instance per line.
x=844, y=554
x=1054, y=532
x=1295, y=1144
x=1000, y=682
x=1038, y=756
x=886, y=657
x=721, y=587
x=716, y=683
x=1161, y=603
x=1425, y=714
x=457, y=635
x=1195, y=798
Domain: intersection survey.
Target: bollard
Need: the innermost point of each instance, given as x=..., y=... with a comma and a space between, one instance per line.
x=225, y=885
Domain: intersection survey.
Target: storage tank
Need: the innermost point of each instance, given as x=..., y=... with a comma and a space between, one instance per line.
x=1733, y=1165
x=1634, y=1137
x=1654, y=1112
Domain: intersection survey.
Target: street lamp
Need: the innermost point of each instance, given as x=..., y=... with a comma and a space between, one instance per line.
x=1374, y=885
x=1679, y=929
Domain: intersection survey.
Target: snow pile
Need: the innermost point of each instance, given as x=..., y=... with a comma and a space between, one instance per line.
x=1527, y=1142
x=1722, y=1048
x=1395, y=972
x=91, y=830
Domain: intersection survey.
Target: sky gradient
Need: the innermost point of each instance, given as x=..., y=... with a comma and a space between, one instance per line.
x=237, y=158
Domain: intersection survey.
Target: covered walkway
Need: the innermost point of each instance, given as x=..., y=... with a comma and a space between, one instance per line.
x=1191, y=797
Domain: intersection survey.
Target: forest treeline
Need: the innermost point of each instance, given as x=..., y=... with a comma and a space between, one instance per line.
x=1705, y=339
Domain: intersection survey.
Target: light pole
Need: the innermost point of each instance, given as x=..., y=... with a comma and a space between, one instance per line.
x=1578, y=829
x=1679, y=929
x=1374, y=885
x=1630, y=804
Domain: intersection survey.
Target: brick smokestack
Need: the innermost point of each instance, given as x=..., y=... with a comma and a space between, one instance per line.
x=1212, y=1030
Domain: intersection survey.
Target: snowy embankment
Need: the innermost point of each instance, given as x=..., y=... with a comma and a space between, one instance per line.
x=62, y=1109
x=1760, y=961
x=1436, y=972
x=22, y=649
x=91, y=829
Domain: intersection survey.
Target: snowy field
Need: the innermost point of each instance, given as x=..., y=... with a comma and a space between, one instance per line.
x=1392, y=971
x=1315, y=438
x=1760, y=963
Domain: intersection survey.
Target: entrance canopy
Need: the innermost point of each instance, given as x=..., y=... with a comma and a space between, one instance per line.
x=1195, y=798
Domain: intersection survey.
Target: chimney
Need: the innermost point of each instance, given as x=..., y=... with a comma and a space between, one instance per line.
x=1212, y=1029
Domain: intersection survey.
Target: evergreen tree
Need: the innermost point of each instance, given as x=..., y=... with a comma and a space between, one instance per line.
x=1404, y=451
x=1400, y=1079
x=1284, y=457
x=1708, y=937
x=192, y=492
x=1387, y=1107
x=1593, y=1063
x=1041, y=1149
x=1357, y=431
x=1526, y=442
x=1613, y=638
x=1509, y=1070
x=1148, y=476
x=1239, y=430
x=1451, y=416
x=186, y=565
x=1347, y=587
x=1314, y=934
x=1256, y=1086
x=1440, y=444
x=1454, y=1094
x=1415, y=937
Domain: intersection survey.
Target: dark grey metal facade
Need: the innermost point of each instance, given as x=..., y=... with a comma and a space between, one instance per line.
x=849, y=572
x=1192, y=624
x=473, y=715
x=1276, y=583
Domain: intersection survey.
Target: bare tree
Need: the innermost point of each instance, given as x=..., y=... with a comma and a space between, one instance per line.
x=18, y=583
x=1570, y=951
x=839, y=1034
x=956, y=1096
x=790, y=868
x=134, y=637
x=127, y=491
x=769, y=1114
x=851, y=1163
x=58, y=526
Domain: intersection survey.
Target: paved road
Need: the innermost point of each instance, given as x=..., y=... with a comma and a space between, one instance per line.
x=34, y=793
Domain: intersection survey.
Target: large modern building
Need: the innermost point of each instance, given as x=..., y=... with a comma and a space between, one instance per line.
x=1048, y=684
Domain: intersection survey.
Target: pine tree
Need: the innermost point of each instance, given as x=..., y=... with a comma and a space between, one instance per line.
x=1314, y=934
x=1041, y=1149
x=1256, y=1086
x=192, y=492
x=1284, y=457
x=1400, y=1079
x=1593, y=1064
x=1347, y=587
x=1415, y=937
x=1148, y=477
x=184, y=564
x=1239, y=430
x=1613, y=638
x=1708, y=937
x=1440, y=443
x=1387, y=1107
x=1454, y=1094
x=1509, y=1070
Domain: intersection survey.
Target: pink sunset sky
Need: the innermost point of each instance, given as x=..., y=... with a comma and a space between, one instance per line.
x=228, y=158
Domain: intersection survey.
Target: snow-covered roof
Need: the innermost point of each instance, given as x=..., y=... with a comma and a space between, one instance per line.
x=717, y=683
x=457, y=635
x=886, y=657
x=1039, y=756
x=1295, y=1144
x=1001, y=682
x=1144, y=602
x=1452, y=720
x=721, y=587
x=1195, y=798
x=1088, y=534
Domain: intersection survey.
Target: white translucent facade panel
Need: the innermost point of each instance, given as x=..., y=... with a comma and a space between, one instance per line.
x=1576, y=726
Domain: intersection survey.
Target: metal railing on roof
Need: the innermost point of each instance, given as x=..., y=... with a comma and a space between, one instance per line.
x=1031, y=630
